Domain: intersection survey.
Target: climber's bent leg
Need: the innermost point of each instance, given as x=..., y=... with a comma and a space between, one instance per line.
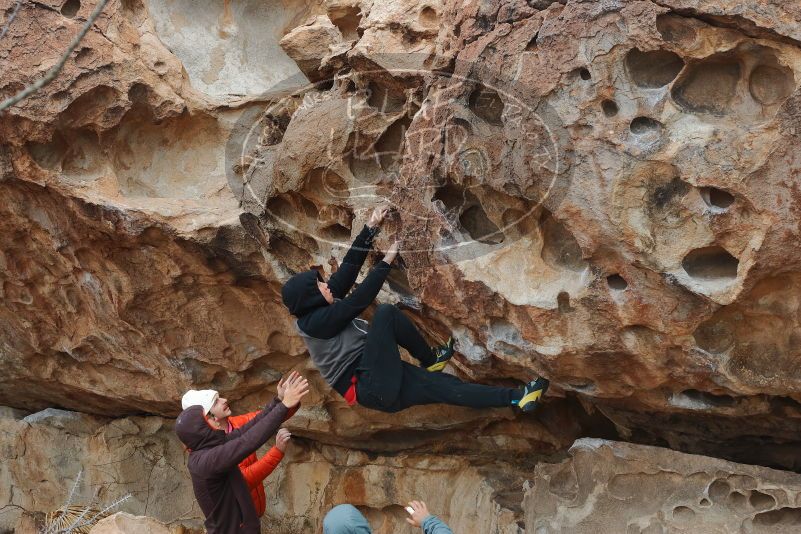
x=391, y=327
x=379, y=372
x=388, y=384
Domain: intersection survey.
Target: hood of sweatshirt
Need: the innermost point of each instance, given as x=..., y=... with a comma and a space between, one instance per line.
x=345, y=519
x=194, y=432
x=301, y=294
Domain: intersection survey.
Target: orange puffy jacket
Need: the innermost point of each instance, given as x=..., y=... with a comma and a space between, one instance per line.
x=256, y=469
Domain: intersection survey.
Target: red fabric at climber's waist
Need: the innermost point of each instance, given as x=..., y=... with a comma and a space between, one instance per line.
x=350, y=394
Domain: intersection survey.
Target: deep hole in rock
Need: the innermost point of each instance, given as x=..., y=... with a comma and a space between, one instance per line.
x=334, y=217
x=398, y=281
x=84, y=156
x=717, y=198
x=324, y=85
x=666, y=195
x=474, y=219
x=428, y=17
x=674, y=28
x=91, y=107
x=335, y=232
x=771, y=84
x=75, y=153
x=584, y=74
x=563, y=302
x=389, y=146
x=654, y=68
x=717, y=401
x=609, y=108
x=532, y=44
x=761, y=501
x=560, y=249
x=49, y=155
x=710, y=263
x=273, y=128
x=782, y=516
x=280, y=207
x=683, y=513
x=709, y=85
x=737, y=500
x=645, y=126
x=290, y=207
x=308, y=207
x=384, y=98
x=347, y=19
x=289, y=253
x=154, y=237
x=70, y=8
x=462, y=205
x=486, y=103
x=718, y=490
x=617, y=282
x=138, y=93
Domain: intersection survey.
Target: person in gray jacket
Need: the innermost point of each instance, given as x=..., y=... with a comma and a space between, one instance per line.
x=362, y=361
x=346, y=519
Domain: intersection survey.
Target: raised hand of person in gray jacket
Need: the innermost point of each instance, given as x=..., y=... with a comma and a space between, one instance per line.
x=423, y=519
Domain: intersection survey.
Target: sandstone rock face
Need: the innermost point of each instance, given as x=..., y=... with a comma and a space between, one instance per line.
x=43, y=454
x=122, y=523
x=605, y=193
x=617, y=487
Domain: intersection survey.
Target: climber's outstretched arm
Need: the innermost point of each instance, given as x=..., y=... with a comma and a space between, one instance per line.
x=342, y=280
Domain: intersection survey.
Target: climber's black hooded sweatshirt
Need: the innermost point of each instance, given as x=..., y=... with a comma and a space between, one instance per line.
x=214, y=457
x=332, y=332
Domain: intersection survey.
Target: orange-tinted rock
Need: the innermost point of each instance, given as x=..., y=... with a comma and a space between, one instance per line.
x=603, y=193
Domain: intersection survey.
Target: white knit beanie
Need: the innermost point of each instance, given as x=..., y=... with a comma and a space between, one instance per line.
x=203, y=397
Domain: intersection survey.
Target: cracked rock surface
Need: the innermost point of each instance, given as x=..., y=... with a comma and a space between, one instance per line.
x=648, y=489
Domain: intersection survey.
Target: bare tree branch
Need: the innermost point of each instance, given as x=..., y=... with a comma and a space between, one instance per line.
x=51, y=74
x=11, y=19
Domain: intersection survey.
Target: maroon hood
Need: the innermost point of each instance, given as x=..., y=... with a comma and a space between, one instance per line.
x=194, y=432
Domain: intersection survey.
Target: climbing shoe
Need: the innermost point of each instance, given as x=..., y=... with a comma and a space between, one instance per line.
x=532, y=394
x=443, y=353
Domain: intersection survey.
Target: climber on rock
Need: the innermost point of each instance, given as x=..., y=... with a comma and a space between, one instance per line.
x=361, y=361
x=214, y=457
x=219, y=416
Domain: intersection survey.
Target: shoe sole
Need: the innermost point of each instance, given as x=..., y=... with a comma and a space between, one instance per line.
x=437, y=367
